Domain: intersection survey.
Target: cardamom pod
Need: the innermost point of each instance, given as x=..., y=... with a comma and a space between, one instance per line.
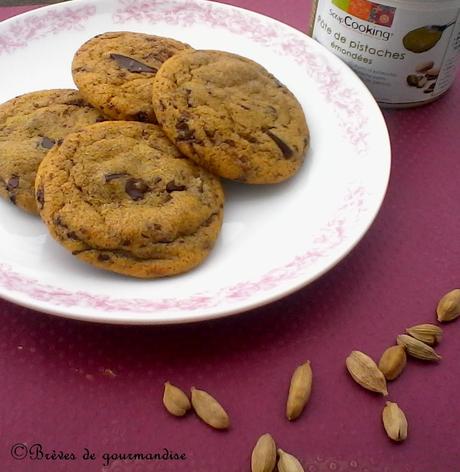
x=449, y=306
x=175, y=400
x=394, y=422
x=209, y=409
x=393, y=361
x=418, y=349
x=263, y=457
x=365, y=372
x=427, y=333
x=288, y=463
x=299, y=391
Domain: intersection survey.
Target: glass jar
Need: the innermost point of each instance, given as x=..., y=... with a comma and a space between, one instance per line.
x=405, y=51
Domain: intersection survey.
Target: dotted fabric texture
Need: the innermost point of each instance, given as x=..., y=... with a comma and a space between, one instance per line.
x=70, y=385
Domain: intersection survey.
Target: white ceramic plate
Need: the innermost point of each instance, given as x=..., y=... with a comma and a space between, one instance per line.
x=275, y=239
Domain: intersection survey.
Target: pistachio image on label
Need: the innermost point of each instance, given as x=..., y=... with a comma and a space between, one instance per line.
x=416, y=80
x=423, y=67
x=425, y=38
x=430, y=88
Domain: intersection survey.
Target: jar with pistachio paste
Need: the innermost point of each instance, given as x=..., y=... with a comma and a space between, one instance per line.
x=405, y=51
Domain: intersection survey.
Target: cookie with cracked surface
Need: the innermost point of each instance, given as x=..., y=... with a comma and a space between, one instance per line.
x=30, y=125
x=120, y=196
x=114, y=72
x=231, y=116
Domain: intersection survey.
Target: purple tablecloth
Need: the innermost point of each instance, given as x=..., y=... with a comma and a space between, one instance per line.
x=68, y=385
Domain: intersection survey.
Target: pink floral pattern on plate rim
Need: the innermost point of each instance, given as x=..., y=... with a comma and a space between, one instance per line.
x=40, y=24
x=331, y=237
x=345, y=100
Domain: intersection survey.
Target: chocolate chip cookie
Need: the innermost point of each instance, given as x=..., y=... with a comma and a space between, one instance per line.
x=114, y=72
x=121, y=197
x=231, y=116
x=30, y=125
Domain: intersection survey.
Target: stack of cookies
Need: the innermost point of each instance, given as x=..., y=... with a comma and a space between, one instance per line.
x=125, y=172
